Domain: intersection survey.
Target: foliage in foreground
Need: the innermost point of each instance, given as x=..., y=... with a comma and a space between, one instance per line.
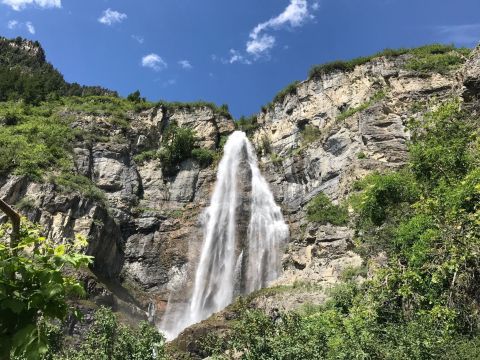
x=424, y=302
x=108, y=339
x=34, y=290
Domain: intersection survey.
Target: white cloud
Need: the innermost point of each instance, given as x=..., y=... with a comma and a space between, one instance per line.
x=154, y=62
x=236, y=57
x=138, y=39
x=111, y=17
x=296, y=14
x=185, y=64
x=22, y=4
x=468, y=34
x=30, y=27
x=260, y=44
x=12, y=24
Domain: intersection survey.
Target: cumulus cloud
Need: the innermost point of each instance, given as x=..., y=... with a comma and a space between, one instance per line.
x=154, y=62
x=12, y=24
x=110, y=17
x=296, y=14
x=138, y=39
x=22, y=4
x=185, y=64
x=236, y=57
x=30, y=27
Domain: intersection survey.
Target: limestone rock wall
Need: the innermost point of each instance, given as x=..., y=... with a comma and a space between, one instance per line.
x=381, y=97
x=145, y=235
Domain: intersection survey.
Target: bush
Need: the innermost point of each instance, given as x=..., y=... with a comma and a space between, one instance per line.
x=247, y=124
x=35, y=144
x=177, y=146
x=440, y=141
x=145, y=156
x=310, y=134
x=203, y=156
x=107, y=339
x=34, y=290
x=74, y=182
x=321, y=210
x=436, y=58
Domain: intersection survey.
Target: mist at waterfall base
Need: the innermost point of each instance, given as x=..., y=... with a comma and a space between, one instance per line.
x=233, y=264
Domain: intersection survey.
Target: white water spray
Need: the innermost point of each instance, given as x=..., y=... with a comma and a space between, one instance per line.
x=234, y=261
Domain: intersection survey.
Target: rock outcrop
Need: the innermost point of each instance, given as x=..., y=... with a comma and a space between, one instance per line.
x=142, y=228
x=144, y=231
x=329, y=133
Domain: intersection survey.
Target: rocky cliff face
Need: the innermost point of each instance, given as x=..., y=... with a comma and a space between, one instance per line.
x=145, y=234
x=330, y=133
x=142, y=231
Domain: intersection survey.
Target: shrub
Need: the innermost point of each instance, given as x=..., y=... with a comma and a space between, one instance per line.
x=440, y=141
x=35, y=144
x=74, y=182
x=321, y=210
x=107, y=339
x=436, y=58
x=203, y=156
x=145, y=156
x=34, y=290
x=383, y=194
x=135, y=97
x=361, y=155
x=247, y=124
x=177, y=146
x=310, y=134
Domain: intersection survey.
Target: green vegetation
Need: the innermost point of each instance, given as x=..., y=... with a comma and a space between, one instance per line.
x=35, y=142
x=34, y=290
x=310, y=134
x=221, y=110
x=276, y=159
x=108, y=339
x=290, y=89
x=379, y=95
x=429, y=58
x=25, y=75
x=112, y=107
x=436, y=58
x=247, y=124
x=144, y=156
x=204, y=157
x=423, y=303
x=321, y=210
x=177, y=145
x=340, y=65
x=361, y=155
x=73, y=182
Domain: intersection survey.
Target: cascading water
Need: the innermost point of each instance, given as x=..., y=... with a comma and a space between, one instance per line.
x=236, y=257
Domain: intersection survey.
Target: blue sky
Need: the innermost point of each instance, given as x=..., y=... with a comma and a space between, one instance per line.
x=235, y=52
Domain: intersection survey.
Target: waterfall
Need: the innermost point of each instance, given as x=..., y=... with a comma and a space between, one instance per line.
x=237, y=256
